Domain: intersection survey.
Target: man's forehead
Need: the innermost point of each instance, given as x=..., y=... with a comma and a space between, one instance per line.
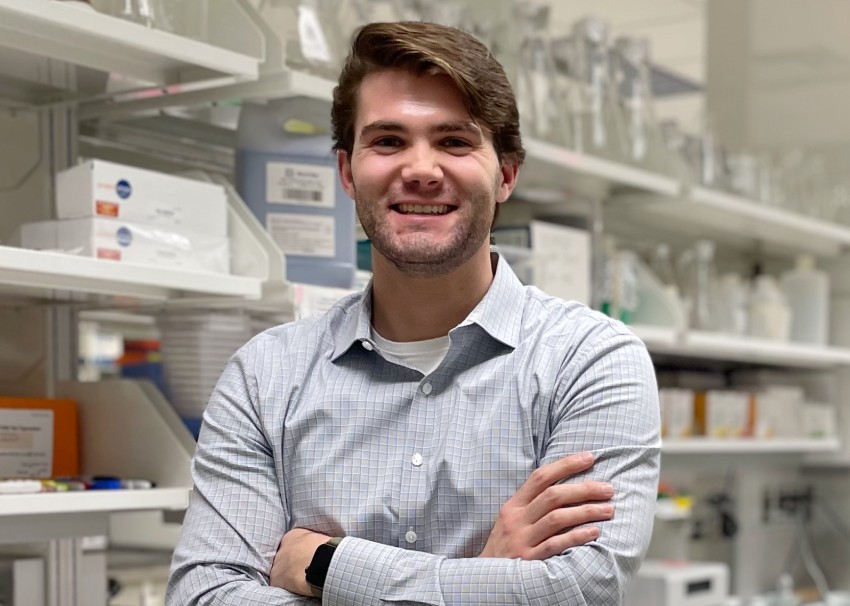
x=393, y=79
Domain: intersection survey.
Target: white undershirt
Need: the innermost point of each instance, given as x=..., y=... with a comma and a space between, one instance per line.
x=424, y=356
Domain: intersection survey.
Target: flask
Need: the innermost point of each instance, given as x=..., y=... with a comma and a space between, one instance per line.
x=286, y=173
x=806, y=290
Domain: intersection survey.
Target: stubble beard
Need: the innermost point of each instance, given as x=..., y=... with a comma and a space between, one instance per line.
x=415, y=254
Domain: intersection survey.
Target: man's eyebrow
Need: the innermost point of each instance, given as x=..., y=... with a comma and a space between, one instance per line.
x=444, y=127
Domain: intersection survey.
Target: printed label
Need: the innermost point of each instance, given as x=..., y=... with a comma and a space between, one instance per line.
x=300, y=184
x=106, y=209
x=26, y=443
x=306, y=235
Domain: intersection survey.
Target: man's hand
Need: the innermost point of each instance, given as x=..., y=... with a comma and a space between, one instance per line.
x=293, y=557
x=540, y=520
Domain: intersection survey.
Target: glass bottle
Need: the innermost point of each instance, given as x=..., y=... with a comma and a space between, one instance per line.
x=540, y=102
x=631, y=75
x=596, y=116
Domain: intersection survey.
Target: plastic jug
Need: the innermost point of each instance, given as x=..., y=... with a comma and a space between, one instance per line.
x=286, y=173
x=806, y=290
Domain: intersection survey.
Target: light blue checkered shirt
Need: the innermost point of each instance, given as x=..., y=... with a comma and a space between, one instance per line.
x=309, y=426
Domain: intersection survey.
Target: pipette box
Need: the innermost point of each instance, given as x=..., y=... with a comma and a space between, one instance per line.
x=103, y=189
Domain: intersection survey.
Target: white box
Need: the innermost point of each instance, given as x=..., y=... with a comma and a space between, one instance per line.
x=820, y=421
x=727, y=414
x=779, y=412
x=103, y=189
x=679, y=583
x=677, y=412
x=22, y=582
x=558, y=259
x=127, y=242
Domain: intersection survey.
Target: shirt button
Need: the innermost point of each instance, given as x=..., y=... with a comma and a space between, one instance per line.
x=366, y=345
x=426, y=388
x=417, y=459
x=410, y=536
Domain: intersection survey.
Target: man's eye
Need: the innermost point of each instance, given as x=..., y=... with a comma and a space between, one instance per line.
x=387, y=142
x=455, y=142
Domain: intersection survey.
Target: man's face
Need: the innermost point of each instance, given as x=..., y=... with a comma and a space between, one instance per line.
x=425, y=178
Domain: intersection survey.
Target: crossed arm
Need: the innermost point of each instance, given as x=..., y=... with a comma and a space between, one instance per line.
x=237, y=517
x=543, y=519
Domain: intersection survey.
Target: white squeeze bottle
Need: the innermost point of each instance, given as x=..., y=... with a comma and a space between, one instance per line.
x=806, y=290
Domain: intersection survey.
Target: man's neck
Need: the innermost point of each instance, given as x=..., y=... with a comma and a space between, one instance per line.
x=406, y=309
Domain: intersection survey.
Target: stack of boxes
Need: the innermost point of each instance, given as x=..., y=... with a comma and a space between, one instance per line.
x=131, y=215
x=760, y=412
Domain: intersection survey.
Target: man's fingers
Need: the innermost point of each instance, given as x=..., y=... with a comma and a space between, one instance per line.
x=565, y=495
x=559, y=543
x=568, y=518
x=545, y=476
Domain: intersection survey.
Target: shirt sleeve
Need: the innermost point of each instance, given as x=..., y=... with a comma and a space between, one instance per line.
x=606, y=402
x=236, y=516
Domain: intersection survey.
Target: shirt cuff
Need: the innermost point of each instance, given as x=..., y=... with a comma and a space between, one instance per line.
x=364, y=573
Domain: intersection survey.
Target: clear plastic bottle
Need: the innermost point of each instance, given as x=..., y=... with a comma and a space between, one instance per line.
x=806, y=291
x=770, y=317
x=701, y=292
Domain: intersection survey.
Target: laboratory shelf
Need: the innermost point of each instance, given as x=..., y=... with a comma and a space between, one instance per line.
x=719, y=346
x=83, y=37
x=703, y=446
x=552, y=169
x=277, y=84
x=93, y=501
x=761, y=351
x=730, y=220
x=39, y=274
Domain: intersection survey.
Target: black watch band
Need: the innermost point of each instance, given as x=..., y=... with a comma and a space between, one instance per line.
x=317, y=571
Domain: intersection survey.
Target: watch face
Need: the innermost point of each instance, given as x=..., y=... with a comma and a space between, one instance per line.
x=318, y=569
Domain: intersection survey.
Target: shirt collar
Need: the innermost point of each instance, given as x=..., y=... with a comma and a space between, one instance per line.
x=499, y=313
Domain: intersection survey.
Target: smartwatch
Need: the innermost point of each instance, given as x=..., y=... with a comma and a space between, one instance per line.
x=317, y=571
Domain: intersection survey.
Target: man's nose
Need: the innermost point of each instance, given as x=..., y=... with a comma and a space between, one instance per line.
x=422, y=167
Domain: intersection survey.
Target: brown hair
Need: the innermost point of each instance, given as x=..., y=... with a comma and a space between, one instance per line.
x=429, y=49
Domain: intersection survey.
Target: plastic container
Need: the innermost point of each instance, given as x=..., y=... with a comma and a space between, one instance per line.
x=770, y=317
x=286, y=173
x=806, y=291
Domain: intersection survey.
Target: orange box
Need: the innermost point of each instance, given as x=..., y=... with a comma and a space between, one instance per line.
x=66, y=430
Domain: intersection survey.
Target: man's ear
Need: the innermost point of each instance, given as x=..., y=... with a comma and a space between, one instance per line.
x=510, y=171
x=343, y=164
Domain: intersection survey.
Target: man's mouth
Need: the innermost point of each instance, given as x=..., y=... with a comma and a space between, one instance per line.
x=422, y=209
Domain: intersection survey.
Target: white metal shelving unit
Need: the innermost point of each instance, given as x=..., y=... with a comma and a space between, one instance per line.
x=709, y=446
x=41, y=274
x=82, y=37
x=552, y=169
x=718, y=346
x=731, y=220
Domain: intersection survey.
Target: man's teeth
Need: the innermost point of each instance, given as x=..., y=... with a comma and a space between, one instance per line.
x=424, y=209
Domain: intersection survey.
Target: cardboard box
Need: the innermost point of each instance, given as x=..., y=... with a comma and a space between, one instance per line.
x=103, y=189
x=557, y=260
x=127, y=242
x=39, y=438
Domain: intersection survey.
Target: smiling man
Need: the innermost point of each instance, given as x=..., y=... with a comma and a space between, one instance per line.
x=448, y=436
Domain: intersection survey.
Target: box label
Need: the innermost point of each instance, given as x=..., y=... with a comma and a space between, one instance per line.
x=300, y=184
x=307, y=235
x=26, y=443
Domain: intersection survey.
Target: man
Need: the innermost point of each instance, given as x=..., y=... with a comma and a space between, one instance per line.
x=411, y=445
